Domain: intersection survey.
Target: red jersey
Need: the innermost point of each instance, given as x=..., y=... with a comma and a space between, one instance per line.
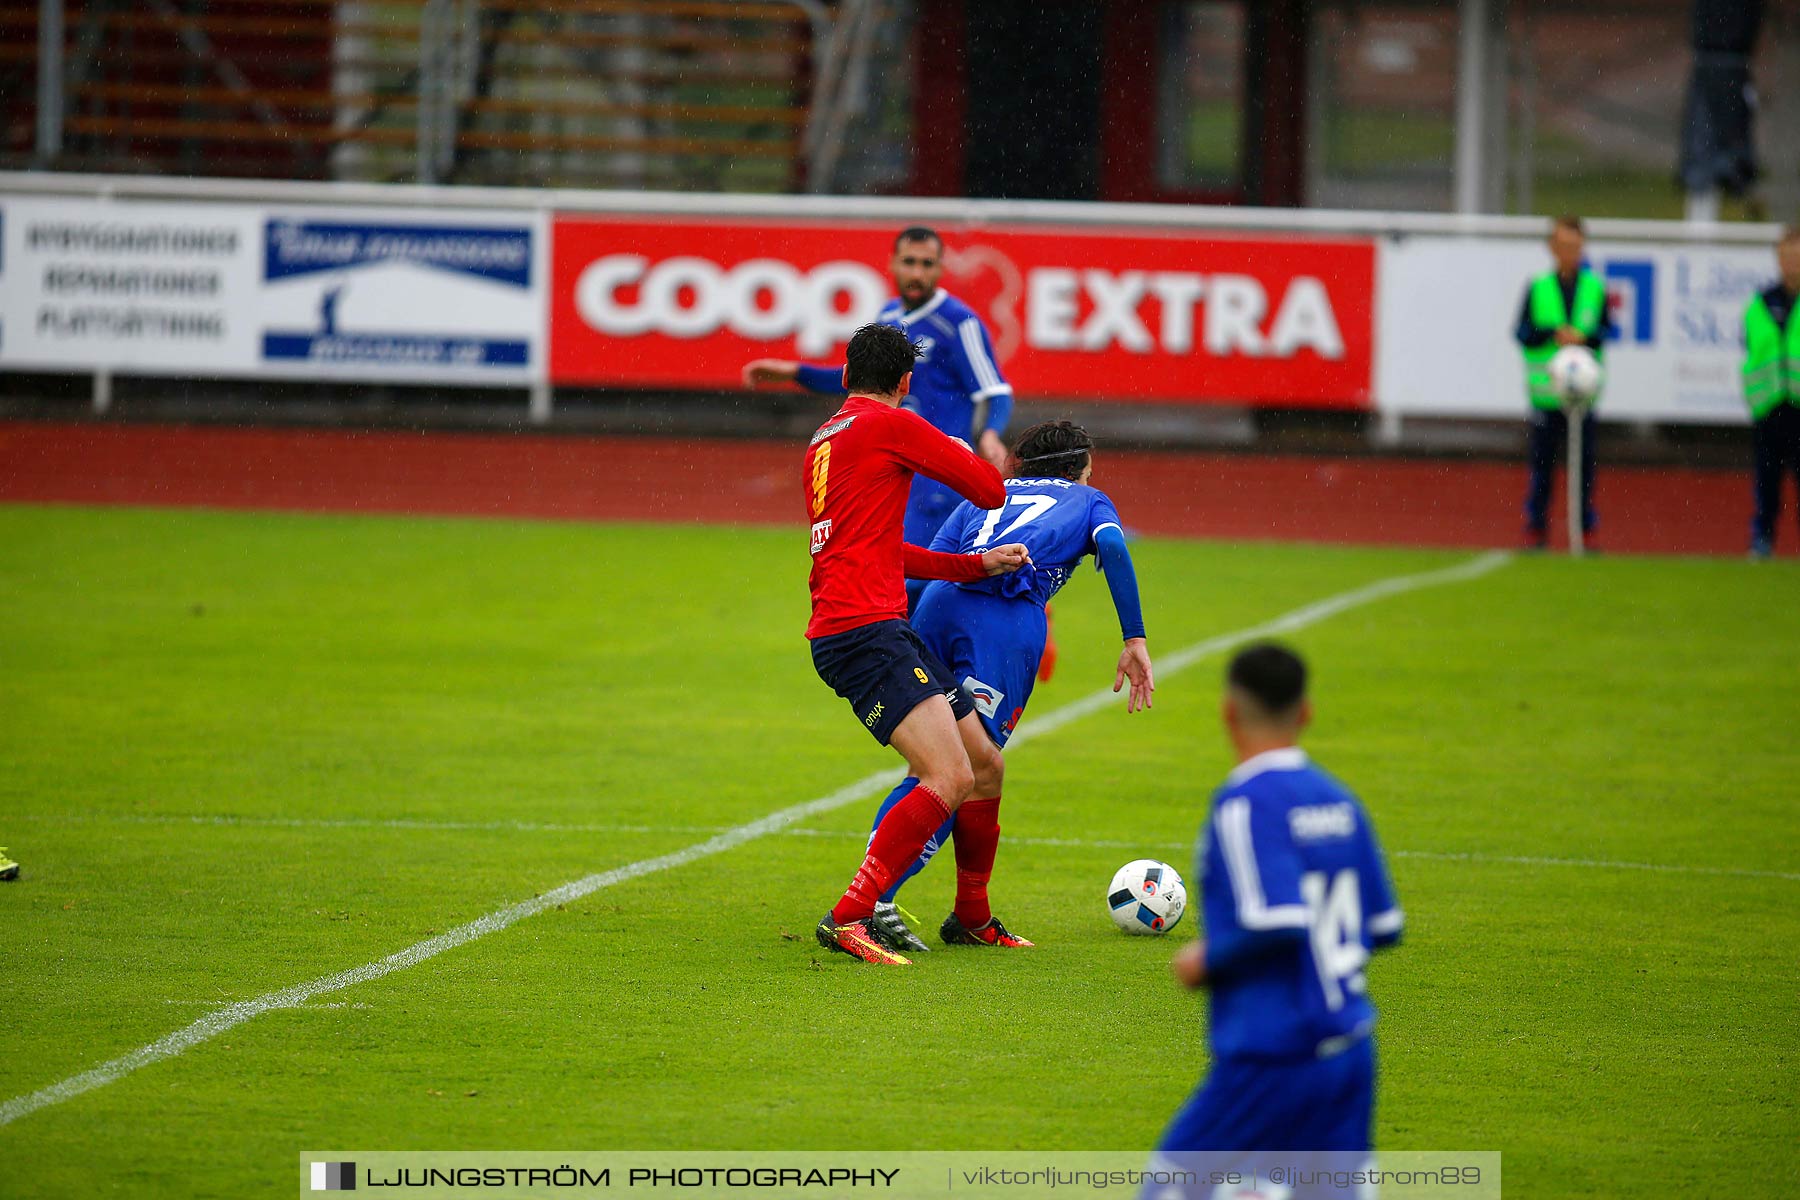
x=858, y=471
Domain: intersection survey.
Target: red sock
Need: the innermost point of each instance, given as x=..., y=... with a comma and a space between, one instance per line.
x=897, y=841
x=977, y=836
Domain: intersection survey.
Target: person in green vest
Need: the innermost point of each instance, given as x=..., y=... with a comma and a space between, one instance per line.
x=1564, y=307
x=1772, y=389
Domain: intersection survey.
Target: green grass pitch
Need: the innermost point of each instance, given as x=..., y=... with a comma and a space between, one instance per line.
x=241, y=752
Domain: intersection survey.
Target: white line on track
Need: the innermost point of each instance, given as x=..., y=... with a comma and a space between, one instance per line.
x=233, y=1015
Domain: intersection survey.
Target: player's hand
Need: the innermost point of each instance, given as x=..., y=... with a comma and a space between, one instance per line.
x=770, y=370
x=1189, y=964
x=1004, y=560
x=993, y=449
x=1134, y=664
x=1568, y=335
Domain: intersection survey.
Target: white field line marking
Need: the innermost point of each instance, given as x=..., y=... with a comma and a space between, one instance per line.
x=1610, y=864
x=223, y=1003
x=233, y=1015
x=404, y=823
x=1533, y=860
x=1524, y=860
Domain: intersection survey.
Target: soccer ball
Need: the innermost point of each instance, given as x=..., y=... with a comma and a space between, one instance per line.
x=1576, y=375
x=1146, y=896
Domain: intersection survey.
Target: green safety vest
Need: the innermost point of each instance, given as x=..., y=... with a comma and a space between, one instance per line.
x=1771, y=369
x=1549, y=312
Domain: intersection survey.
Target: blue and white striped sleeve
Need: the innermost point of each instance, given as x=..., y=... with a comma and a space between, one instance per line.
x=977, y=355
x=1263, y=868
x=1385, y=920
x=1268, y=911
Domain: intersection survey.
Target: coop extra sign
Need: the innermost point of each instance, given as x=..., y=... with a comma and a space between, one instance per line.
x=1129, y=316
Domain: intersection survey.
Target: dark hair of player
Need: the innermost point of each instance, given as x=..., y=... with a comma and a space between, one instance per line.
x=1271, y=675
x=1571, y=222
x=918, y=233
x=879, y=356
x=1053, y=450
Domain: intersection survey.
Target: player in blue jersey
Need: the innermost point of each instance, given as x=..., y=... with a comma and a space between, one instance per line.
x=955, y=374
x=991, y=637
x=1295, y=896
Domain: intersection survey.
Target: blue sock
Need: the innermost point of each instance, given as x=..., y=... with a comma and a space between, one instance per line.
x=931, y=847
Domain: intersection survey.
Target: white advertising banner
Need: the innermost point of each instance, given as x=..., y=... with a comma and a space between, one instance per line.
x=395, y=294
x=149, y=287
x=1447, y=307
x=293, y=292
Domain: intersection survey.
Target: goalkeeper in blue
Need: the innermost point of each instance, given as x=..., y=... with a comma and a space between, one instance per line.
x=990, y=634
x=1295, y=896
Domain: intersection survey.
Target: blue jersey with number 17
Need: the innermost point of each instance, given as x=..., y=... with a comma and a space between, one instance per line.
x=1056, y=519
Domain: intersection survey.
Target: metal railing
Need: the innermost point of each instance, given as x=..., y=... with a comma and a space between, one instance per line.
x=701, y=94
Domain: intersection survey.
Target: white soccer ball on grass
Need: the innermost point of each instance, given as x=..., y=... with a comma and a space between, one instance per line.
x=1146, y=897
x=1576, y=375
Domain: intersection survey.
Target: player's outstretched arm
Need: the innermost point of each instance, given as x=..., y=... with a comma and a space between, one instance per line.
x=920, y=563
x=1134, y=664
x=1121, y=581
x=827, y=380
x=769, y=370
x=947, y=460
x=1004, y=560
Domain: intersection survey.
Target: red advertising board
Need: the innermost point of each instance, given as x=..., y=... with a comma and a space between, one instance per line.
x=1160, y=316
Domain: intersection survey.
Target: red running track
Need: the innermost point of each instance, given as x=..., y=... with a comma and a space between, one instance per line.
x=1356, y=500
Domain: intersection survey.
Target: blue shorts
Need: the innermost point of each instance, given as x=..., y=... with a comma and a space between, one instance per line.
x=991, y=646
x=1305, y=1104
x=1313, y=1113
x=885, y=672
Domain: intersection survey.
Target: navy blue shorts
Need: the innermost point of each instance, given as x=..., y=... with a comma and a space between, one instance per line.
x=885, y=672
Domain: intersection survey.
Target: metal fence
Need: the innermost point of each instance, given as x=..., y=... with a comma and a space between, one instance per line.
x=690, y=94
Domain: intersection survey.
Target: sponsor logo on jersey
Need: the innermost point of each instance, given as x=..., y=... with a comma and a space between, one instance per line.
x=986, y=696
x=1322, y=821
x=831, y=430
x=821, y=533
x=874, y=714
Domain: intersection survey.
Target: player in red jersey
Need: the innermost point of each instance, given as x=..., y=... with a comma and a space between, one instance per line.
x=859, y=469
